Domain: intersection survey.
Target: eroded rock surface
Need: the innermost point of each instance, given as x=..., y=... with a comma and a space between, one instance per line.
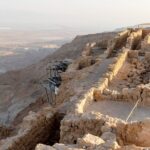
x=120, y=74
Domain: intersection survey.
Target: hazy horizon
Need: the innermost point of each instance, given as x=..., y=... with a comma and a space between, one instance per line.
x=80, y=15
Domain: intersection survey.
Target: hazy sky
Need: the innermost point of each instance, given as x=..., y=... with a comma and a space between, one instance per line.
x=92, y=15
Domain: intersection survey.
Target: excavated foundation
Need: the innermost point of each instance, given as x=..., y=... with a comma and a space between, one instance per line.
x=98, y=97
x=43, y=127
x=54, y=136
x=97, y=118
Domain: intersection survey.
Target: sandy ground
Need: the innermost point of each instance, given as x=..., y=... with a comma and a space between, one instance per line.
x=120, y=110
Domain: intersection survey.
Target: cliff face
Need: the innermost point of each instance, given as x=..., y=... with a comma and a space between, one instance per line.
x=20, y=91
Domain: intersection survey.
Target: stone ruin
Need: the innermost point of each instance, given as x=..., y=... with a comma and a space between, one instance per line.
x=99, y=90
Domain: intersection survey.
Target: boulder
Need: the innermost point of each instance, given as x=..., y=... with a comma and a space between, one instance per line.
x=90, y=140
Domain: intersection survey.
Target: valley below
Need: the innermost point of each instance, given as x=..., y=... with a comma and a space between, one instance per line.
x=19, y=49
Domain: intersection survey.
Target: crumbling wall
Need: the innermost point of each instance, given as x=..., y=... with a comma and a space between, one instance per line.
x=85, y=62
x=137, y=133
x=136, y=82
x=96, y=90
x=36, y=128
x=145, y=46
x=133, y=41
x=112, y=72
x=76, y=126
x=141, y=92
x=145, y=32
x=87, y=51
x=118, y=42
x=140, y=68
x=102, y=44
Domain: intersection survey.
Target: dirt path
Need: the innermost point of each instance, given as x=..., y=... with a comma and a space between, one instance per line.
x=120, y=110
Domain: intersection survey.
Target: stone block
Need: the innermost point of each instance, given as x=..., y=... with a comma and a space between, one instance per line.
x=90, y=140
x=44, y=147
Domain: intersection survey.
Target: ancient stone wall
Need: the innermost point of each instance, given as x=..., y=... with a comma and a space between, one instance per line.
x=96, y=90
x=118, y=42
x=112, y=72
x=87, y=51
x=137, y=133
x=85, y=62
x=133, y=41
x=145, y=32
x=36, y=128
x=76, y=126
x=145, y=46
x=147, y=57
x=141, y=92
x=139, y=77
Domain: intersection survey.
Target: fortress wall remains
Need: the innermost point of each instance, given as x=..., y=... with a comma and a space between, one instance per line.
x=76, y=126
x=118, y=42
x=35, y=128
x=112, y=72
x=137, y=133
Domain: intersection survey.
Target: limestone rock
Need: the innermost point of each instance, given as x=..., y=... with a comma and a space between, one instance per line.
x=90, y=141
x=132, y=147
x=87, y=50
x=108, y=136
x=44, y=147
x=134, y=39
x=59, y=146
x=137, y=133
x=106, y=128
x=111, y=144
x=118, y=42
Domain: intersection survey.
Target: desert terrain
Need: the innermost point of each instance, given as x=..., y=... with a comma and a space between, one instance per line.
x=103, y=102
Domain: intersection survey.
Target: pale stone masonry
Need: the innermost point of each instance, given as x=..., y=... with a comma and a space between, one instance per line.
x=35, y=128
x=121, y=74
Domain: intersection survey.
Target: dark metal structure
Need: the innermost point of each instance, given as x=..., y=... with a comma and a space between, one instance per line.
x=53, y=81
